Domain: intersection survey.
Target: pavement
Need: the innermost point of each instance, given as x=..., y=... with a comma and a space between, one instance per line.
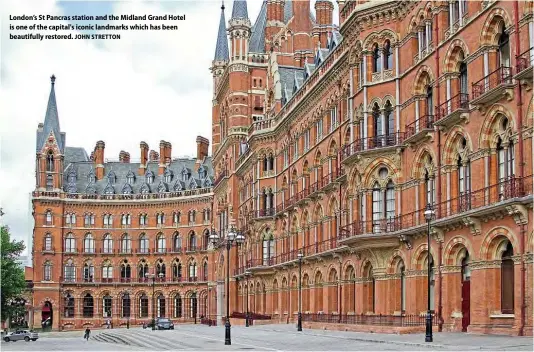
x=280, y=337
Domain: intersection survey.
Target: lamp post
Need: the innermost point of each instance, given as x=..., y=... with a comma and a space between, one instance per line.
x=232, y=236
x=299, y=316
x=153, y=277
x=247, y=275
x=429, y=215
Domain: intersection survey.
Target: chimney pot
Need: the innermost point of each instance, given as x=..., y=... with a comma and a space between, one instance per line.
x=153, y=155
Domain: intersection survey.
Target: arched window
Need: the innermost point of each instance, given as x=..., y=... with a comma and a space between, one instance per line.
x=126, y=305
x=429, y=99
x=464, y=183
x=376, y=59
x=47, y=272
x=268, y=249
x=88, y=272
x=160, y=243
x=143, y=306
x=161, y=305
x=388, y=56
x=126, y=272
x=507, y=280
x=126, y=243
x=206, y=242
x=390, y=125
x=69, y=306
x=192, y=242
x=192, y=271
x=48, y=242
x=88, y=304
x=70, y=271
x=107, y=304
x=48, y=217
x=463, y=78
x=143, y=271
x=429, y=188
x=455, y=11
x=89, y=244
x=143, y=219
x=378, y=205
x=383, y=210
x=143, y=244
x=50, y=162
x=49, y=182
x=177, y=306
x=402, y=271
x=160, y=270
x=177, y=242
x=107, y=272
x=108, y=243
x=176, y=271
x=377, y=121
x=504, y=49
x=205, y=271
x=70, y=243
x=193, y=312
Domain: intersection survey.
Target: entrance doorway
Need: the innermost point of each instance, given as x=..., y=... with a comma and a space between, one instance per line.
x=47, y=315
x=466, y=293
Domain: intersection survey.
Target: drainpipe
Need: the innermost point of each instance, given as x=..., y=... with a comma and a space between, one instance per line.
x=521, y=166
x=438, y=200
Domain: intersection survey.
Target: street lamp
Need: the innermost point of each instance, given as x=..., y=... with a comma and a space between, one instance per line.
x=232, y=236
x=299, y=317
x=247, y=275
x=429, y=215
x=153, y=277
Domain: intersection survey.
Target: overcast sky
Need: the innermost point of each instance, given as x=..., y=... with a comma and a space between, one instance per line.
x=148, y=86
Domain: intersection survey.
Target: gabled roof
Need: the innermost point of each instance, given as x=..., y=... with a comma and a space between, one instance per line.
x=51, y=122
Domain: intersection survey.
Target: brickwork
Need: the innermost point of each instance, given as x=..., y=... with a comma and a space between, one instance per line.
x=419, y=103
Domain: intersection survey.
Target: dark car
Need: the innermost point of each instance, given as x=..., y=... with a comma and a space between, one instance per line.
x=164, y=324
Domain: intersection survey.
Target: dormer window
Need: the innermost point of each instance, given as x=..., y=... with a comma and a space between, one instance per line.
x=201, y=172
x=91, y=177
x=127, y=189
x=109, y=189
x=130, y=178
x=167, y=176
x=71, y=178
x=149, y=177
x=162, y=188
x=185, y=175
x=145, y=189
x=111, y=177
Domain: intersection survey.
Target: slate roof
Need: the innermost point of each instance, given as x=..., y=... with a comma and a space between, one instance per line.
x=51, y=122
x=257, y=36
x=221, y=49
x=239, y=10
x=79, y=176
x=290, y=78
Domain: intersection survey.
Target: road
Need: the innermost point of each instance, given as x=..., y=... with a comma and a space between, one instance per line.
x=263, y=338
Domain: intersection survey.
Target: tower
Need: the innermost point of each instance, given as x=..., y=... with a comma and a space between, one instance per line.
x=50, y=147
x=239, y=29
x=275, y=18
x=324, y=10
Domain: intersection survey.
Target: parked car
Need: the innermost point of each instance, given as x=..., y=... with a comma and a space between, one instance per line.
x=164, y=324
x=21, y=335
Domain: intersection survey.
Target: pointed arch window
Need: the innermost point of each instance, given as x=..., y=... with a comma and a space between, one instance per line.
x=177, y=271
x=107, y=272
x=160, y=218
x=506, y=160
x=70, y=271
x=88, y=305
x=160, y=243
x=89, y=243
x=143, y=244
x=161, y=305
x=377, y=121
x=430, y=189
x=177, y=306
x=507, y=280
x=69, y=306
x=192, y=271
x=126, y=305
x=268, y=249
x=143, y=271
x=463, y=78
x=192, y=242
x=429, y=99
x=50, y=161
x=161, y=270
x=383, y=206
x=48, y=242
x=377, y=59
x=143, y=220
x=70, y=243
x=126, y=272
x=388, y=56
x=88, y=272
x=504, y=49
x=193, y=305
x=177, y=242
x=47, y=272
x=205, y=271
x=108, y=243
x=389, y=121
x=126, y=219
x=48, y=217
x=464, y=183
x=126, y=243
x=143, y=306
x=176, y=217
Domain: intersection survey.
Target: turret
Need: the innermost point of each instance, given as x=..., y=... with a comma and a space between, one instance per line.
x=324, y=10
x=239, y=29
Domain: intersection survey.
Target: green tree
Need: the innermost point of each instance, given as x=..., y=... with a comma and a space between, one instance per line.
x=13, y=281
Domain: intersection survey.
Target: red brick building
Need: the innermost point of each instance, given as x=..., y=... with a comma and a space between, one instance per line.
x=101, y=226
x=331, y=141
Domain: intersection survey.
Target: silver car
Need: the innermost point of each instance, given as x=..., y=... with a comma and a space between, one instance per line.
x=21, y=335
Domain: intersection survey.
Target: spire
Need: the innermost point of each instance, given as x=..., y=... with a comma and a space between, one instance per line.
x=240, y=9
x=221, y=49
x=51, y=122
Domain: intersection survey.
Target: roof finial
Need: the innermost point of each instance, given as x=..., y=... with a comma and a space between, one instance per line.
x=53, y=79
x=222, y=6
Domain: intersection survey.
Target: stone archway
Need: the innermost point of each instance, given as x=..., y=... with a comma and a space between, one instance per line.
x=47, y=315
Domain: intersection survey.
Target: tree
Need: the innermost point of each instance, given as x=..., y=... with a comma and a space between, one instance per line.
x=13, y=281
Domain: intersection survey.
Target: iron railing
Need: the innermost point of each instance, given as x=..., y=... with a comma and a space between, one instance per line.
x=458, y=102
x=374, y=142
x=364, y=319
x=525, y=60
x=423, y=123
x=502, y=75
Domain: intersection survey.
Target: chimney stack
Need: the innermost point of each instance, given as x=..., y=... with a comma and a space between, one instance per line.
x=162, y=156
x=144, y=158
x=99, y=159
x=168, y=156
x=202, y=150
x=124, y=157
x=153, y=156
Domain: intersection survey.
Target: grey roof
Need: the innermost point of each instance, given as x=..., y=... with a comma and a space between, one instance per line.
x=257, y=37
x=290, y=77
x=239, y=9
x=221, y=49
x=51, y=122
x=74, y=154
x=79, y=176
x=288, y=11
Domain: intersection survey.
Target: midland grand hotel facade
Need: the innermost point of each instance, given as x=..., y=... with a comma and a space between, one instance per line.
x=329, y=141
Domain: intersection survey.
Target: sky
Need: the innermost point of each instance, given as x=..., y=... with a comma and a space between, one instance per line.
x=147, y=86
